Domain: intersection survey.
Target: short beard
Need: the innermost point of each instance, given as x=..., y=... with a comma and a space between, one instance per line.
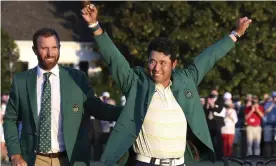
x=45, y=66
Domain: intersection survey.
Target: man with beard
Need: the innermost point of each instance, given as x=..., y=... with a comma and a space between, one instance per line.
x=54, y=103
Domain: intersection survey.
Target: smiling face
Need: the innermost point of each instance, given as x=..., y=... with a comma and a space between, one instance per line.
x=47, y=52
x=160, y=67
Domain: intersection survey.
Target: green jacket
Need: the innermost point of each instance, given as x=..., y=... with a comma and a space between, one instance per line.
x=22, y=106
x=139, y=89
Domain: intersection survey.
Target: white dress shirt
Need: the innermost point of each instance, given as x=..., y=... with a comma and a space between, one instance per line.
x=57, y=141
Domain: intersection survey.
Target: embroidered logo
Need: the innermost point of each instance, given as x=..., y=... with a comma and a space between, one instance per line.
x=75, y=108
x=189, y=94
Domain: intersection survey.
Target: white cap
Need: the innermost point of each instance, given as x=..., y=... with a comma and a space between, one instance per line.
x=105, y=94
x=123, y=98
x=227, y=95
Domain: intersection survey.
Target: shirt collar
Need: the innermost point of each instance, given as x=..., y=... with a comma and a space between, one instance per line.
x=54, y=71
x=160, y=86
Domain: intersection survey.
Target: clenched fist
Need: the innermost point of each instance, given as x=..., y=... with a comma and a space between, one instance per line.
x=242, y=25
x=90, y=13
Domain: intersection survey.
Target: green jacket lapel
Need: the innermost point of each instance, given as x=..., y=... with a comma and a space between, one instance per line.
x=65, y=81
x=177, y=85
x=31, y=88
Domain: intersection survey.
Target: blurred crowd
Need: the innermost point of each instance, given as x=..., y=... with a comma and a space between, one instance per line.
x=238, y=127
x=241, y=127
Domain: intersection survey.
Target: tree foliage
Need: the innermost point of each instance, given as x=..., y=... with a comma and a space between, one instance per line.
x=248, y=68
x=9, y=57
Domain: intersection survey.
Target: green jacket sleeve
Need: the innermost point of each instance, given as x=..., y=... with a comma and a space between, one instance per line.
x=96, y=107
x=205, y=61
x=11, y=120
x=121, y=72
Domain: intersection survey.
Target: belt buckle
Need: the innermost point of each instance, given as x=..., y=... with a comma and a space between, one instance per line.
x=165, y=162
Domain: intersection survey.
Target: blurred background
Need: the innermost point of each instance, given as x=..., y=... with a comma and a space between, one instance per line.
x=248, y=70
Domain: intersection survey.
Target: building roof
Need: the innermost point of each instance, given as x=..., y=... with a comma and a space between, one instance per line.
x=22, y=18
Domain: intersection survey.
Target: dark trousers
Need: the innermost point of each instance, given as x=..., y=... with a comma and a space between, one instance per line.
x=99, y=145
x=139, y=163
x=98, y=139
x=217, y=142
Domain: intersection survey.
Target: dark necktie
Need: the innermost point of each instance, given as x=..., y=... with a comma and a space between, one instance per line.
x=44, y=143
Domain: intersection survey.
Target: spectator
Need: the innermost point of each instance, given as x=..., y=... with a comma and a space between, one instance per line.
x=106, y=124
x=202, y=101
x=102, y=135
x=239, y=141
x=215, y=120
x=265, y=99
x=269, y=122
x=253, y=117
x=228, y=130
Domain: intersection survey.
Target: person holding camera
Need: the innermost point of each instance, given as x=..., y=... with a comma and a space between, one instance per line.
x=269, y=122
x=253, y=119
x=215, y=120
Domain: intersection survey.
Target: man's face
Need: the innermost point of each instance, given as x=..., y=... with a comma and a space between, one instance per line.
x=202, y=101
x=255, y=101
x=47, y=52
x=160, y=67
x=266, y=96
x=214, y=93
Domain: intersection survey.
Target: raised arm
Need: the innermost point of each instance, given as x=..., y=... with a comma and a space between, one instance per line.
x=121, y=72
x=205, y=61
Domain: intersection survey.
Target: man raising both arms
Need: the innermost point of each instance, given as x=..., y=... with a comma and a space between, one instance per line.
x=163, y=111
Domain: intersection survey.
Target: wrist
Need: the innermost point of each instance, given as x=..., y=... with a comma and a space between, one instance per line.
x=239, y=32
x=94, y=26
x=235, y=36
x=14, y=156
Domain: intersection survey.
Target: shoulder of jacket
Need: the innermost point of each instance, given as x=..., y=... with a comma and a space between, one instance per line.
x=71, y=70
x=23, y=75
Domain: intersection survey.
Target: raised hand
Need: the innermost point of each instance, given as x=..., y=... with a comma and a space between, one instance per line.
x=90, y=13
x=242, y=25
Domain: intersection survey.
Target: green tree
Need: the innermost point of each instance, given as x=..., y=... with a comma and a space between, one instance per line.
x=194, y=26
x=9, y=57
x=248, y=68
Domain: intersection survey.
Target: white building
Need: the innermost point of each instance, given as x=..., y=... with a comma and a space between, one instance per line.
x=71, y=54
x=21, y=19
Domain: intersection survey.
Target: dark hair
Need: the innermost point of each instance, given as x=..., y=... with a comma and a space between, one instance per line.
x=255, y=97
x=46, y=32
x=164, y=45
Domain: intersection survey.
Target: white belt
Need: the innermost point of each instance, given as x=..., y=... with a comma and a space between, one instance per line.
x=165, y=162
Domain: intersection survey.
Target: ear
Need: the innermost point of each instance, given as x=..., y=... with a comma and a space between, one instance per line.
x=34, y=50
x=174, y=64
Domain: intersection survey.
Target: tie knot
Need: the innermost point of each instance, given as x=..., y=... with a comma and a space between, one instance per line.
x=47, y=75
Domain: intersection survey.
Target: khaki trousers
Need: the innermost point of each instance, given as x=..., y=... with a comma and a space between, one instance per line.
x=47, y=161
x=254, y=136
